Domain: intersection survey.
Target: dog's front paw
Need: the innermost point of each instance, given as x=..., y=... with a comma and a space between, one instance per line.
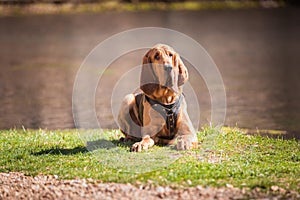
x=186, y=143
x=138, y=147
x=145, y=144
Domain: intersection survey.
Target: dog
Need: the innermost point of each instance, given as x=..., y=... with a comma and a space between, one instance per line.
x=158, y=114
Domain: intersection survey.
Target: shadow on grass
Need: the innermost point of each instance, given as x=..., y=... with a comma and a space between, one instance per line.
x=91, y=146
x=62, y=151
x=107, y=144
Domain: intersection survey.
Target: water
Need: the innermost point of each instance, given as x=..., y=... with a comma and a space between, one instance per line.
x=256, y=52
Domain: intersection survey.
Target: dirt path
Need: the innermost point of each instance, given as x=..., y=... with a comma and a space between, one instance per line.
x=19, y=186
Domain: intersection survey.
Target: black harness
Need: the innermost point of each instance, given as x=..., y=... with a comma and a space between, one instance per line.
x=168, y=111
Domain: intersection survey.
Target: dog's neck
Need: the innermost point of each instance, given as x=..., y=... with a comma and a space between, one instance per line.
x=164, y=95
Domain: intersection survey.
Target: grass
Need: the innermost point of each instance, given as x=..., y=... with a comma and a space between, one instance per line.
x=116, y=6
x=226, y=156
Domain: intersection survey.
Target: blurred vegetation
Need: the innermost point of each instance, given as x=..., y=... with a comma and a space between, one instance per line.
x=25, y=7
x=292, y=2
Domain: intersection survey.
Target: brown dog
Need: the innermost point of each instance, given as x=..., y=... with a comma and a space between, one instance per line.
x=158, y=114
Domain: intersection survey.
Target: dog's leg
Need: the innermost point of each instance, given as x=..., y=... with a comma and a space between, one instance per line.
x=127, y=124
x=145, y=144
x=186, y=142
x=187, y=137
x=128, y=138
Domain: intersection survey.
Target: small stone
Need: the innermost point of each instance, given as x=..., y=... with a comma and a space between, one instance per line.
x=274, y=188
x=142, y=187
x=168, y=189
x=257, y=189
x=189, y=182
x=84, y=185
x=35, y=187
x=160, y=189
x=282, y=191
x=199, y=187
x=244, y=190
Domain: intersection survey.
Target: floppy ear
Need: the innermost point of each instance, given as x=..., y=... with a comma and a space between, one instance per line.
x=148, y=80
x=183, y=73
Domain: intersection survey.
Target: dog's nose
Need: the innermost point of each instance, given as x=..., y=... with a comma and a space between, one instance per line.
x=168, y=67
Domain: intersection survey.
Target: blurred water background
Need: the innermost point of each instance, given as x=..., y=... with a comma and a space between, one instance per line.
x=256, y=51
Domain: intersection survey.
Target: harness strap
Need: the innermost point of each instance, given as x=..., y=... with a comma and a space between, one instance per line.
x=169, y=112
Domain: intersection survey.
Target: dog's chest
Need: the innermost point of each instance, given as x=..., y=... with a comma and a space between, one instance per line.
x=157, y=114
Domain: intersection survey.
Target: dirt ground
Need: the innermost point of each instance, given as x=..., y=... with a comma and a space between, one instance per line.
x=19, y=186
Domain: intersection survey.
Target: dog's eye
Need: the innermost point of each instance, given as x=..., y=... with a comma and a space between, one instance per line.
x=156, y=57
x=171, y=55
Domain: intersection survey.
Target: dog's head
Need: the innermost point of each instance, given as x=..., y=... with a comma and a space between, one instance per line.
x=162, y=68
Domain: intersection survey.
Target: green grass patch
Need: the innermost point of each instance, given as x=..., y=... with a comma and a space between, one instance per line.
x=226, y=156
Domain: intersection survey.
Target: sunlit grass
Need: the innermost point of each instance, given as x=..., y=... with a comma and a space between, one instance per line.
x=226, y=156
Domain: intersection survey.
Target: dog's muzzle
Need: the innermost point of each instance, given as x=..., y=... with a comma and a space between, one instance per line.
x=169, y=75
x=168, y=67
